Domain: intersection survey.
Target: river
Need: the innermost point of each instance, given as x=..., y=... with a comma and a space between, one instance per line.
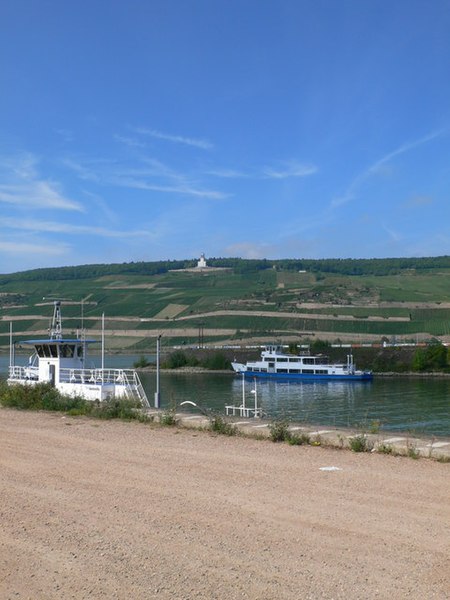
x=419, y=406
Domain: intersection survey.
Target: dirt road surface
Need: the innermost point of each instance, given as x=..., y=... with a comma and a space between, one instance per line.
x=115, y=510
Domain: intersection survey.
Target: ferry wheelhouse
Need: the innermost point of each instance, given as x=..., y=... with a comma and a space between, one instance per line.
x=62, y=362
x=276, y=364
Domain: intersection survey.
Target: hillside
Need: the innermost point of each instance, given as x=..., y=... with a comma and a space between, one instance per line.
x=237, y=302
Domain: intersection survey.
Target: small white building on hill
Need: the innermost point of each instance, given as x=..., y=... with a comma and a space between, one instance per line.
x=202, y=262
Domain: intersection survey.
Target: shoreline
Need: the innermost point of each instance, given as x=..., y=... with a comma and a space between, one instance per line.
x=381, y=441
x=200, y=370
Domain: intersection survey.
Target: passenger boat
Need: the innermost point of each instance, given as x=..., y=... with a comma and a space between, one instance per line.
x=63, y=362
x=276, y=364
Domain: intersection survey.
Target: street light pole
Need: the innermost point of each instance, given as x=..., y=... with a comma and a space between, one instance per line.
x=157, y=393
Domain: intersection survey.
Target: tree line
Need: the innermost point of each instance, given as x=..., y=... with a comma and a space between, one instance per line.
x=341, y=266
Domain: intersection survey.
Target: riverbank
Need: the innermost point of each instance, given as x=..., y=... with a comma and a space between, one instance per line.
x=126, y=510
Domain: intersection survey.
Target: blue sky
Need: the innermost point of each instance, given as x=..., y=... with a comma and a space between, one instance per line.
x=160, y=129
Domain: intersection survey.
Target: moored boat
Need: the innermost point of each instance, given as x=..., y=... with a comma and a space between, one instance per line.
x=62, y=362
x=277, y=364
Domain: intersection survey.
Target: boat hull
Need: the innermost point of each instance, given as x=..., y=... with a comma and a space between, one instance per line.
x=307, y=376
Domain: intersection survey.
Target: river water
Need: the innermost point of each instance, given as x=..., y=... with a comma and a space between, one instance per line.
x=419, y=406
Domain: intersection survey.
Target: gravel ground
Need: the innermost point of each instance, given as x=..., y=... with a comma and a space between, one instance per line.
x=92, y=509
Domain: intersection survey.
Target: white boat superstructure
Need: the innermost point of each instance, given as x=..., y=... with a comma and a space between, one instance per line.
x=275, y=363
x=62, y=363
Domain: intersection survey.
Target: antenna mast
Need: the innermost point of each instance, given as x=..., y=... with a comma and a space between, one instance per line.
x=56, y=325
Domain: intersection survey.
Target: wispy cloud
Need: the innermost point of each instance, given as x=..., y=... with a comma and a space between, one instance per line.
x=282, y=170
x=28, y=249
x=24, y=187
x=148, y=174
x=128, y=141
x=289, y=169
x=176, y=139
x=183, y=189
x=37, y=194
x=228, y=173
x=377, y=167
x=56, y=227
x=394, y=236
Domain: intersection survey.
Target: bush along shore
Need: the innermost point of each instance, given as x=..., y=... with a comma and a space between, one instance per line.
x=43, y=397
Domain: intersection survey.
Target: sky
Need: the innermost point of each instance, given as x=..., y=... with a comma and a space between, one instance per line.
x=161, y=129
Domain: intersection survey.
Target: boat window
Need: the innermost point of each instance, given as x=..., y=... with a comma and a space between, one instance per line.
x=266, y=359
x=294, y=370
x=282, y=359
x=45, y=352
x=282, y=370
x=321, y=371
x=40, y=351
x=263, y=370
x=294, y=360
x=67, y=350
x=271, y=364
x=308, y=361
x=308, y=371
x=80, y=351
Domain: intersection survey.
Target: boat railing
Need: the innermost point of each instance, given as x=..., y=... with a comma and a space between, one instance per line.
x=243, y=411
x=126, y=378
x=96, y=376
x=28, y=373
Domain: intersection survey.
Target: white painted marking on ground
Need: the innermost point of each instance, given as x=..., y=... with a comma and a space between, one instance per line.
x=438, y=445
x=242, y=423
x=321, y=432
x=192, y=418
x=330, y=469
x=259, y=426
x=296, y=428
x=393, y=440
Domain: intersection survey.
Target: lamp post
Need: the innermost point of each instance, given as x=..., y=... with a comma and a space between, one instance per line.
x=157, y=393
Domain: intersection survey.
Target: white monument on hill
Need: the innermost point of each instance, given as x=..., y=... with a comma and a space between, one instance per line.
x=202, y=262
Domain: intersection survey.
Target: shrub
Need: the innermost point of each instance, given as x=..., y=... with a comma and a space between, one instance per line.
x=176, y=360
x=168, y=418
x=360, y=443
x=217, y=362
x=385, y=449
x=41, y=396
x=297, y=440
x=220, y=425
x=115, y=408
x=141, y=363
x=413, y=452
x=279, y=431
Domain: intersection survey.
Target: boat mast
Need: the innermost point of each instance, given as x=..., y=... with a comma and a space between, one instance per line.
x=11, y=355
x=56, y=324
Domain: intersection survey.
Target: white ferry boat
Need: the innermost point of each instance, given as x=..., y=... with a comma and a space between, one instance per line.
x=62, y=362
x=276, y=364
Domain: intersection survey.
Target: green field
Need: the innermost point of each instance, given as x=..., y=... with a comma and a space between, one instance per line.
x=231, y=305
